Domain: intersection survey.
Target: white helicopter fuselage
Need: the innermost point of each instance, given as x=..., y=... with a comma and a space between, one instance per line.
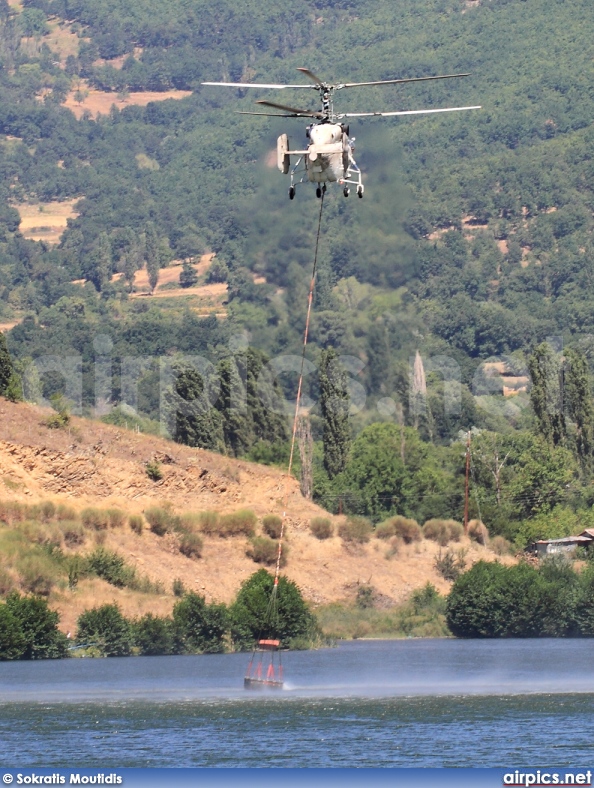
x=327, y=157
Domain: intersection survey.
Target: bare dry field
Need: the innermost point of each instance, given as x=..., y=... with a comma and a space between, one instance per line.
x=62, y=41
x=45, y=221
x=93, y=464
x=99, y=102
x=4, y=327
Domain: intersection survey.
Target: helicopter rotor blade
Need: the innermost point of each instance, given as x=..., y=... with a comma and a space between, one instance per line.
x=270, y=114
x=398, y=81
x=255, y=85
x=404, y=112
x=299, y=112
x=312, y=76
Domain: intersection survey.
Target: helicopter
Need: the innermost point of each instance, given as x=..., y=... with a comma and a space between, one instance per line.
x=329, y=156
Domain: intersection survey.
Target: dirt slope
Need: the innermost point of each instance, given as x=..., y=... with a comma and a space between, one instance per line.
x=93, y=464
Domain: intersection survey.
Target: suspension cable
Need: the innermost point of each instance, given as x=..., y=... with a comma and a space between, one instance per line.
x=298, y=400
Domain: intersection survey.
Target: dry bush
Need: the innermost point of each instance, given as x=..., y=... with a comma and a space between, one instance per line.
x=209, y=523
x=73, y=532
x=95, y=518
x=7, y=582
x=385, y=530
x=478, y=532
x=321, y=527
x=238, y=523
x=188, y=522
x=136, y=523
x=38, y=575
x=443, y=531
x=394, y=546
x=408, y=530
x=159, y=520
x=500, y=546
x=117, y=518
x=263, y=550
x=47, y=511
x=12, y=512
x=190, y=545
x=356, y=529
x=65, y=512
x=272, y=526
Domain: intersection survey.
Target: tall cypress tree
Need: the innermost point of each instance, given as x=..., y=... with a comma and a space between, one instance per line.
x=334, y=402
x=192, y=419
x=6, y=368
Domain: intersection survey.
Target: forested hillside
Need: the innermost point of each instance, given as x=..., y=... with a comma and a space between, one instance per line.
x=474, y=239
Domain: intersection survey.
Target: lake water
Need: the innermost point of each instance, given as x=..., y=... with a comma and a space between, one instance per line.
x=365, y=703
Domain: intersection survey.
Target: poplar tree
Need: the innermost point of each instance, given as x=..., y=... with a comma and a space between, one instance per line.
x=579, y=401
x=334, y=402
x=546, y=395
x=153, y=256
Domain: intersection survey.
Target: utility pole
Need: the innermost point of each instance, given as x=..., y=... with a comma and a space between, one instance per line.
x=466, y=486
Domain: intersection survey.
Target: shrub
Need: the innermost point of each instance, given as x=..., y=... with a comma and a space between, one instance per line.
x=136, y=523
x=385, y=530
x=95, y=518
x=209, y=522
x=190, y=545
x=153, y=635
x=478, y=532
x=200, y=627
x=73, y=533
x=159, y=520
x=263, y=550
x=39, y=625
x=38, y=574
x=408, y=530
x=7, y=583
x=153, y=471
x=105, y=628
x=321, y=527
x=365, y=597
x=12, y=512
x=47, y=511
x=178, y=587
x=443, y=531
x=450, y=565
x=355, y=529
x=64, y=512
x=394, y=546
x=188, y=522
x=239, y=523
x=272, y=526
x=117, y=518
x=500, y=546
x=112, y=568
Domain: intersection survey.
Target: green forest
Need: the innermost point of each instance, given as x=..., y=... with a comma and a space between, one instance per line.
x=473, y=244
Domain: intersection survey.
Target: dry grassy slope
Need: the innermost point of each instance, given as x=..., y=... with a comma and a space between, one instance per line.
x=99, y=465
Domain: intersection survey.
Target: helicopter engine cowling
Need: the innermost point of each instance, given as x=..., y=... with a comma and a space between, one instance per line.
x=325, y=161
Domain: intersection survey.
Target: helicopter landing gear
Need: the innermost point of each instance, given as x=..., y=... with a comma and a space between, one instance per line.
x=318, y=192
x=292, y=193
x=346, y=191
x=360, y=190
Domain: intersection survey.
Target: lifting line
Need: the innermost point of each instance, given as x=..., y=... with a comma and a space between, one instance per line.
x=271, y=616
x=310, y=296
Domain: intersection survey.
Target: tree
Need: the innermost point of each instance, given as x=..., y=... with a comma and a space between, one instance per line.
x=153, y=635
x=546, y=394
x=200, y=628
x=335, y=403
x=153, y=255
x=12, y=640
x=193, y=419
x=39, y=626
x=188, y=276
x=251, y=617
x=578, y=399
x=6, y=366
x=105, y=628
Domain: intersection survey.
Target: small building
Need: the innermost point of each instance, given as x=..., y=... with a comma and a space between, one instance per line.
x=566, y=544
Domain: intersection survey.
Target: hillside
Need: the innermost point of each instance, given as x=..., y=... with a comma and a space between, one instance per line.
x=93, y=464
